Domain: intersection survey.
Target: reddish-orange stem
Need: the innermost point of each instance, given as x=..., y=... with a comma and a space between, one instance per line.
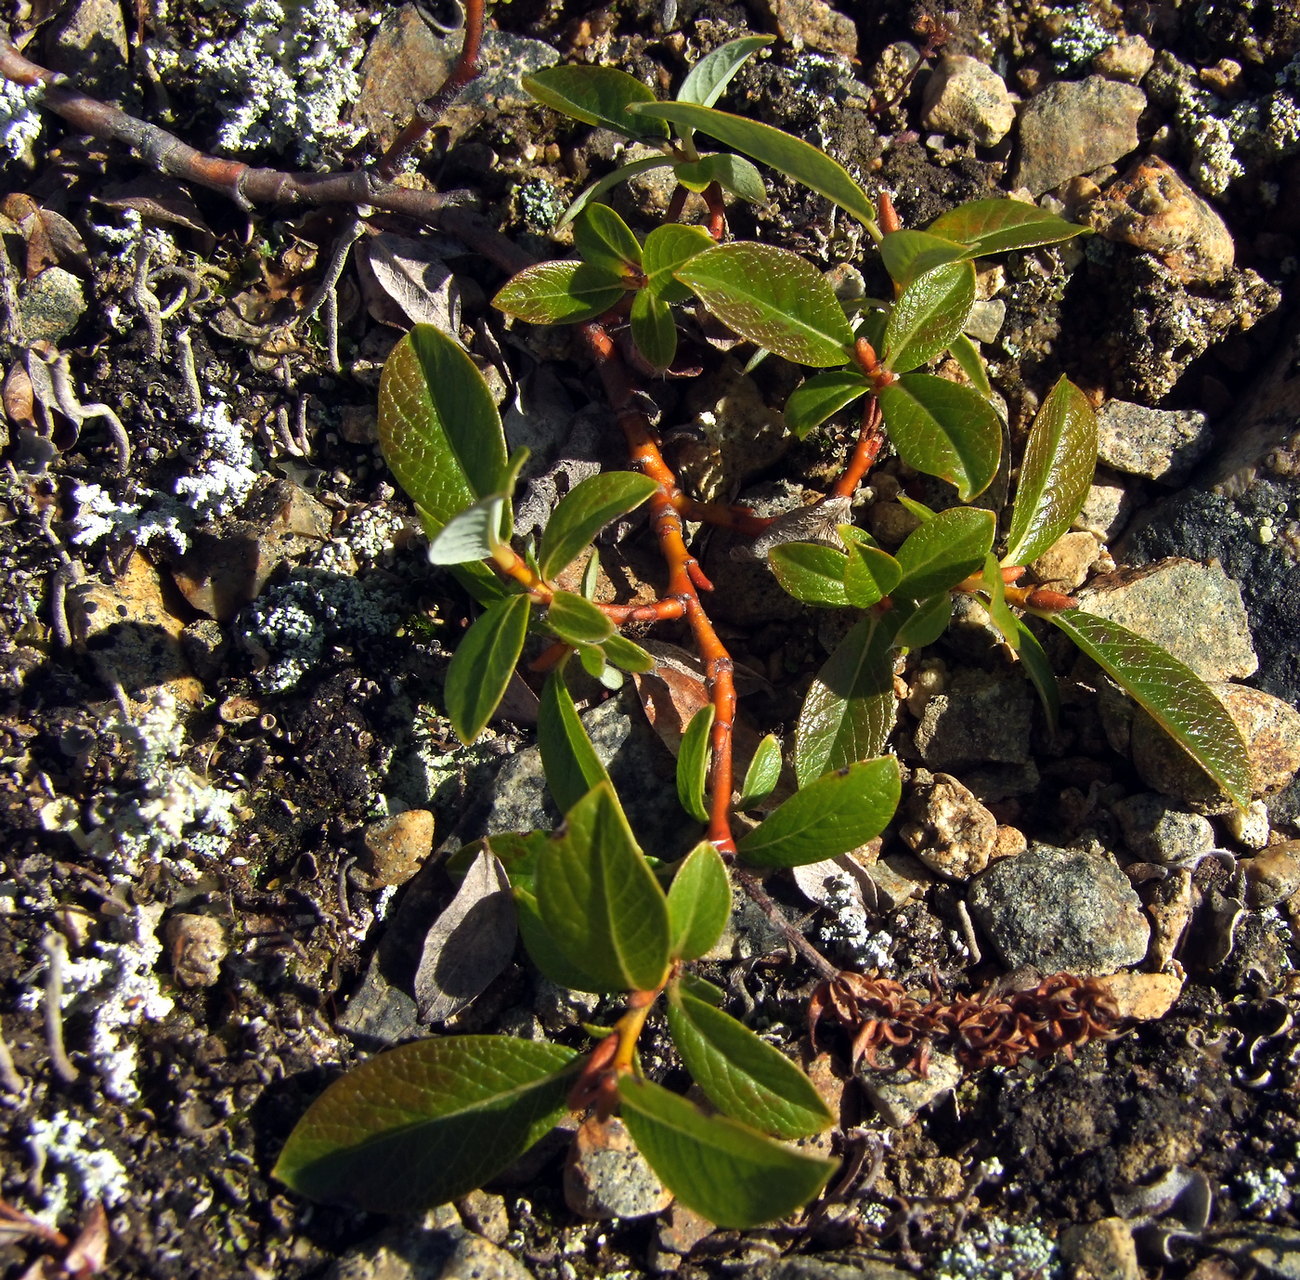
x=888, y=214
x=871, y=438
x=717, y=222
x=741, y=519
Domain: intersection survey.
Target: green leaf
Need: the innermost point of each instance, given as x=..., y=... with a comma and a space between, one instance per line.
x=838, y=812
x=1175, y=697
x=930, y=312
x=812, y=402
x=942, y=552
x=870, y=574
x=791, y=156
x=604, y=240
x=995, y=226
x=599, y=96
x=944, y=430
x=559, y=293
x=624, y=173
x=701, y=988
x=763, y=773
x=744, y=1077
x=577, y=621
x=1056, y=473
x=810, y=572
x=584, y=511
x=693, y=764
x=725, y=1171
x=623, y=653
x=438, y=427
x=569, y=760
x=1024, y=644
x=545, y=952
x=926, y=622
x=732, y=173
x=850, y=708
x=699, y=903
x=908, y=254
x=427, y=1122
x=599, y=899
x=713, y=73
x=653, y=329
x=967, y=355
x=774, y=298
x=483, y=664
x=667, y=249
x=474, y=534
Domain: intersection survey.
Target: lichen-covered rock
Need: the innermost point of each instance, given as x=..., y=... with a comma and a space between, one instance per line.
x=1157, y=831
x=1161, y=444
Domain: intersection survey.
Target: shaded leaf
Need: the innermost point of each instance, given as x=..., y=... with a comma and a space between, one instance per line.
x=968, y=357
x=925, y=623
x=732, y=173
x=995, y=226
x=774, y=298
x=576, y=620
x=726, y=1172
x=836, y=813
x=408, y=280
x=424, y=1123
x=944, y=551
x=908, y=254
x=930, y=312
x=483, y=664
x=584, y=511
x=693, y=764
x=791, y=156
x=603, y=239
x=763, y=773
x=1024, y=643
x=667, y=249
x=870, y=574
x=599, y=899
x=569, y=761
x=699, y=903
x=653, y=329
x=743, y=1076
x=1055, y=474
x=474, y=534
x=944, y=430
x=707, y=79
x=818, y=397
x=599, y=96
x=1175, y=697
x=438, y=426
x=559, y=293
x=469, y=944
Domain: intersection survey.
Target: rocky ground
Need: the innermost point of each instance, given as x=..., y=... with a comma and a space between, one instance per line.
x=221, y=648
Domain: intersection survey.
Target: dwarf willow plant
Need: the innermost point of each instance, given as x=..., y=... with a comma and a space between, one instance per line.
x=431, y=1120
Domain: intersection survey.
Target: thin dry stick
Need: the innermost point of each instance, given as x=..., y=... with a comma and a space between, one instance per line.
x=9, y=1076
x=56, y=951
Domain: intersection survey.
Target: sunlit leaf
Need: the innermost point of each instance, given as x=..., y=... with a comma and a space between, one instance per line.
x=482, y=665
x=707, y=79
x=1175, y=697
x=995, y=226
x=944, y=430
x=725, y=1171
x=699, y=902
x=942, y=552
x=545, y=952
x=870, y=574
x=774, y=298
x=576, y=620
x=667, y=249
x=474, y=534
x=1055, y=474
x=559, y=293
x=763, y=773
x=929, y=313
x=693, y=764
x=818, y=397
x=599, y=96
x=925, y=623
x=604, y=240
x=584, y=511
x=628, y=655
x=810, y=572
x=967, y=355
x=732, y=173
x=426, y=1122
x=1024, y=643
x=908, y=254
x=653, y=329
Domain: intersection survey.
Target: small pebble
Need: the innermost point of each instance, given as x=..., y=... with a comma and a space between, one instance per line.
x=947, y=828
x=1272, y=875
x=197, y=945
x=606, y=1176
x=968, y=100
x=397, y=847
x=900, y=1094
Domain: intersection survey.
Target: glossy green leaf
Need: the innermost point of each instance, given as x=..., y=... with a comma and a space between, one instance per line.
x=744, y=1077
x=569, y=760
x=577, y=621
x=836, y=813
x=624, y=173
x=483, y=664
x=942, y=552
x=774, y=298
x=1055, y=474
x=918, y=509
x=995, y=226
x=699, y=903
x=707, y=79
x=628, y=655
x=599, y=96
x=701, y=988
x=818, y=397
x=438, y=426
x=1175, y=697
x=850, y=708
x=584, y=511
x=925, y=622
x=667, y=249
x=810, y=572
x=944, y=430
x=653, y=329
x=968, y=357
x=732, y=173
x=559, y=293
x=474, y=534
x=426, y=1122
x=763, y=773
x=930, y=312
x=908, y=254
x=604, y=240
x=791, y=156
x=693, y=764
x=599, y=899
x=544, y=951
x=723, y=1170
x=1024, y=644
x=870, y=574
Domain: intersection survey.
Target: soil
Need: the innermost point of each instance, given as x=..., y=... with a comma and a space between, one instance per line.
x=189, y=1068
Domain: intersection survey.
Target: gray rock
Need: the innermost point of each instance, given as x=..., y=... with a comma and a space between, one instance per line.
x=1193, y=610
x=406, y=1253
x=1072, y=128
x=1156, y=831
x=606, y=1176
x=968, y=100
x=795, y=1268
x=979, y=719
x=1060, y=909
x=1161, y=444
x=1107, y=507
x=900, y=1094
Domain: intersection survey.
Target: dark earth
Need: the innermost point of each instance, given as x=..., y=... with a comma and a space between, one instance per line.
x=223, y=668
